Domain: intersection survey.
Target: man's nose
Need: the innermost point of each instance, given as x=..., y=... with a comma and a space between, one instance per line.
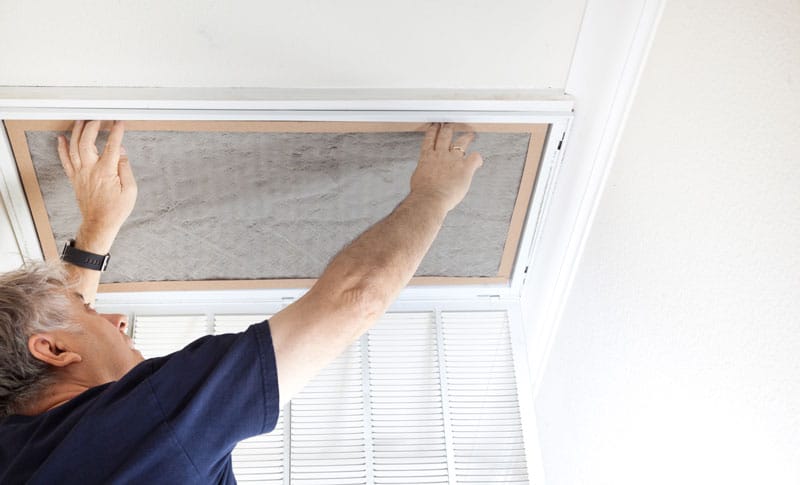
x=118, y=320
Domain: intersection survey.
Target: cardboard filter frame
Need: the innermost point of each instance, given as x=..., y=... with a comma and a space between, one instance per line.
x=17, y=130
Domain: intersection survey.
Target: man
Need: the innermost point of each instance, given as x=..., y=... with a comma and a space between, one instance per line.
x=78, y=404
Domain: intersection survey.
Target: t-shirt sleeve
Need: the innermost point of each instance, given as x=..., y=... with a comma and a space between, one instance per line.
x=217, y=391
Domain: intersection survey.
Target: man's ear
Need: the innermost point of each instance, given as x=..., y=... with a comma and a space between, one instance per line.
x=44, y=347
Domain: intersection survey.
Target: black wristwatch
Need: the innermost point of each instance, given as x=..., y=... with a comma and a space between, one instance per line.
x=84, y=259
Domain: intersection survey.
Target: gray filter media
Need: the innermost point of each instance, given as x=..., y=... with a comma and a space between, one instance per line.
x=222, y=205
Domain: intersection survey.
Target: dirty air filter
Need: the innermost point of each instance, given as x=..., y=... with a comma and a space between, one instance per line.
x=255, y=204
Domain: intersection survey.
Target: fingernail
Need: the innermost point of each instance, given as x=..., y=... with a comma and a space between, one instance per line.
x=123, y=151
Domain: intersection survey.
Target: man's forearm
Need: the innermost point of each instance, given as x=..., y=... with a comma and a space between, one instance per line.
x=353, y=292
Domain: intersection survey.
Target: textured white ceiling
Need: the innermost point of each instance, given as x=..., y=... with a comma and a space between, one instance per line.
x=508, y=44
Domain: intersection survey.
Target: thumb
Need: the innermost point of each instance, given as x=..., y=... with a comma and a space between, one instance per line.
x=475, y=160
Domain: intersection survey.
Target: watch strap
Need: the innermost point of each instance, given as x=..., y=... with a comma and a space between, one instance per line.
x=84, y=259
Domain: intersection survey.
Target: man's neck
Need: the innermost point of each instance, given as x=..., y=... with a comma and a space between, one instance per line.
x=55, y=396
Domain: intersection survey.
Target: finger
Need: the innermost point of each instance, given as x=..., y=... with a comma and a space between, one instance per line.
x=125, y=173
x=87, y=145
x=429, y=141
x=63, y=154
x=74, y=153
x=445, y=137
x=464, y=140
x=111, y=153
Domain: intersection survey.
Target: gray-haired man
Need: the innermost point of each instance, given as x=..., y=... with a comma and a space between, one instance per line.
x=78, y=404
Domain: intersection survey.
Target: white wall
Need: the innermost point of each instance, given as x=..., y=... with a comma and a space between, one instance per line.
x=9, y=251
x=453, y=44
x=678, y=357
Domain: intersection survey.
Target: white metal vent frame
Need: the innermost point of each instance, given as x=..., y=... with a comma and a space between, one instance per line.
x=552, y=110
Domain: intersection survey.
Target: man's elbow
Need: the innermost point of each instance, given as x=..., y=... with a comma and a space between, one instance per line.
x=366, y=302
x=355, y=294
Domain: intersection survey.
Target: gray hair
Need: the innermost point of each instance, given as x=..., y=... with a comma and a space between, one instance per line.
x=33, y=299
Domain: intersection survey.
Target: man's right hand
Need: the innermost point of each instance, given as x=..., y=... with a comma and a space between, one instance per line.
x=445, y=170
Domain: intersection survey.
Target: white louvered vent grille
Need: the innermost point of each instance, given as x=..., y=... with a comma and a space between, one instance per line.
x=328, y=443
x=423, y=398
x=482, y=394
x=236, y=323
x=260, y=459
x=406, y=401
x=155, y=336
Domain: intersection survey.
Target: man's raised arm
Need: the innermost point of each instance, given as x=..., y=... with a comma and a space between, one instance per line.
x=366, y=276
x=106, y=193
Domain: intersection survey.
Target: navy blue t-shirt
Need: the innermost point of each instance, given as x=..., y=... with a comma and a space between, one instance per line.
x=173, y=419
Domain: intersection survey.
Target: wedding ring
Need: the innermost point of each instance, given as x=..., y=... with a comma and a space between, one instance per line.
x=457, y=148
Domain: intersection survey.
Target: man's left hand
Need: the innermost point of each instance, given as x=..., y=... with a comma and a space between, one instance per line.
x=104, y=184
